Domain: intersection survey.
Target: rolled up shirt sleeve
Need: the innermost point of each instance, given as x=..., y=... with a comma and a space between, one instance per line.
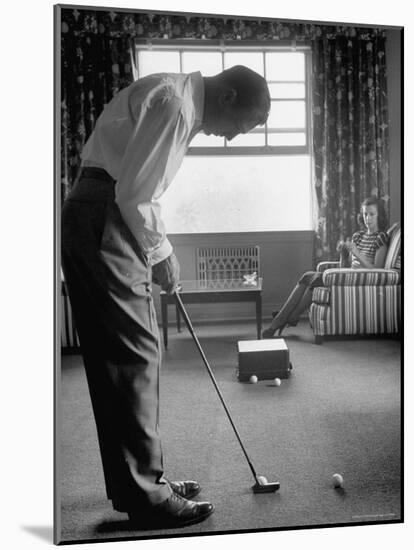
x=153, y=154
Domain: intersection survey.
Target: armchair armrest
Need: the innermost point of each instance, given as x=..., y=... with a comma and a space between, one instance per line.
x=323, y=266
x=360, y=277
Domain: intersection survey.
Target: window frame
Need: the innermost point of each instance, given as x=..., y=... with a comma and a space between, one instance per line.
x=223, y=46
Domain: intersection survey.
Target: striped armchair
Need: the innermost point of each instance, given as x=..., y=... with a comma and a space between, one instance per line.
x=363, y=301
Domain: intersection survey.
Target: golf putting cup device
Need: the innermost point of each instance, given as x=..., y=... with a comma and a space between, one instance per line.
x=266, y=359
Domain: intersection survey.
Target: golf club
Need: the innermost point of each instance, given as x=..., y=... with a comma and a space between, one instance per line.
x=261, y=484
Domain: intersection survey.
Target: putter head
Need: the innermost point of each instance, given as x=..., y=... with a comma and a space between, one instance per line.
x=265, y=487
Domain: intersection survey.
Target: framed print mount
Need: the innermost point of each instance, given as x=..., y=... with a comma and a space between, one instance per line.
x=178, y=133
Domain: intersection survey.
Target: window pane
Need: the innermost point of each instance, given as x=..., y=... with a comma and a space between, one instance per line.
x=228, y=194
x=158, y=62
x=201, y=140
x=247, y=140
x=253, y=60
x=208, y=63
x=286, y=75
x=290, y=139
x=287, y=90
x=287, y=114
x=282, y=66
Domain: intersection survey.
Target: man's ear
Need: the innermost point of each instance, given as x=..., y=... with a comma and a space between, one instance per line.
x=228, y=96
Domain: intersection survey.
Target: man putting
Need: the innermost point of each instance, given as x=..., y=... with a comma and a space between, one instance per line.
x=114, y=245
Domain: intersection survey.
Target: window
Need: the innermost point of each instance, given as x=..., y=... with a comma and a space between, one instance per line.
x=285, y=69
x=260, y=181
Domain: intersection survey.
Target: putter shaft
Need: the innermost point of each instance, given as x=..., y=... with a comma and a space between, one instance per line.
x=257, y=488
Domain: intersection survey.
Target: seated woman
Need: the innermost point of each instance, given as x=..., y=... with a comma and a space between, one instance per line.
x=366, y=249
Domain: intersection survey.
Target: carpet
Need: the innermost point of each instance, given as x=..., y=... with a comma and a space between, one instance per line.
x=338, y=412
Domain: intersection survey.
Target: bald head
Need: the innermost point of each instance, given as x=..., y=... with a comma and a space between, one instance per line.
x=251, y=89
x=236, y=100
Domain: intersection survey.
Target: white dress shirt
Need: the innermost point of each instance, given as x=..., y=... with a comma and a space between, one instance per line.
x=140, y=139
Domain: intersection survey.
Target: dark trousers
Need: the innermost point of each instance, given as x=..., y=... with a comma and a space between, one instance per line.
x=109, y=284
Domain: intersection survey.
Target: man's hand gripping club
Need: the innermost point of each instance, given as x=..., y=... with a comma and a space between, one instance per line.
x=166, y=274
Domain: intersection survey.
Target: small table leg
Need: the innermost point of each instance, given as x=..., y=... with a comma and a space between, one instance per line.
x=177, y=312
x=164, y=318
x=259, y=316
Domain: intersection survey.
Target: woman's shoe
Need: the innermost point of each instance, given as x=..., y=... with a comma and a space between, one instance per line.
x=280, y=330
x=268, y=333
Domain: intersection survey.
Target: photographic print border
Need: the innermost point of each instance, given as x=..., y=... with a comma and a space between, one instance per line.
x=58, y=199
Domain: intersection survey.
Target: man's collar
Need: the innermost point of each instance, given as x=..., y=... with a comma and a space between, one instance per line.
x=198, y=97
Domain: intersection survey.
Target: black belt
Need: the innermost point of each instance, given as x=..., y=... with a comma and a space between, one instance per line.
x=96, y=173
x=94, y=184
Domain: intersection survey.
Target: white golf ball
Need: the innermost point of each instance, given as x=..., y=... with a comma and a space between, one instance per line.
x=338, y=480
x=253, y=379
x=262, y=480
x=277, y=381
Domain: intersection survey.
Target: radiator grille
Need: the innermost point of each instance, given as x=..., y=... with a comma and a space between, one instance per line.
x=226, y=265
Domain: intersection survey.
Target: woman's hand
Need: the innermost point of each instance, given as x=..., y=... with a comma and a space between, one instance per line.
x=340, y=246
x=343, y=245
x=352, y=248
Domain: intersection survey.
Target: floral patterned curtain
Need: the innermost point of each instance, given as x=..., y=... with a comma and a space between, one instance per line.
x=350, y=132
x=96, y=64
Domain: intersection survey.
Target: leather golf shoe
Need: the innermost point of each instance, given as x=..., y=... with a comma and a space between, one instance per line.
x=185, y=489
x=174, y=512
